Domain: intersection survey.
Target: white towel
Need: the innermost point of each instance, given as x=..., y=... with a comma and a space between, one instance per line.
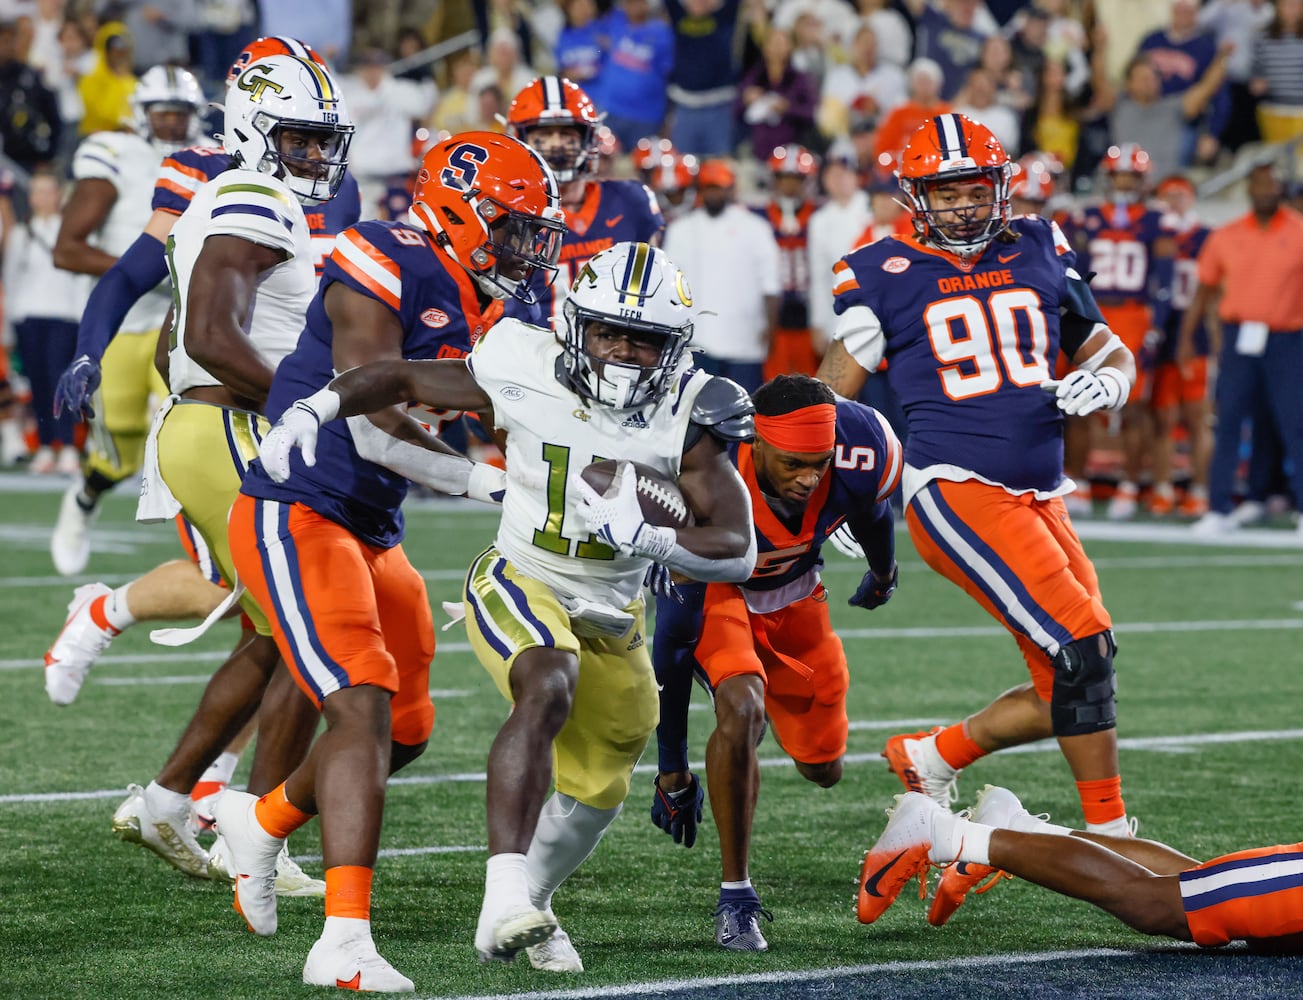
x=156, y=501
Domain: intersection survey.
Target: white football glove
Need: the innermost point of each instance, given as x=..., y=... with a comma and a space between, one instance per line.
x=297, y=428
x=1082, y=392
x=617, y=519
x=844, y=542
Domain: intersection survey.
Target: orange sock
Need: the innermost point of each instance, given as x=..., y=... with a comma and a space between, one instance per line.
x=348, y=892
x=278, y=815
x=956, y=747
x=1101, y=801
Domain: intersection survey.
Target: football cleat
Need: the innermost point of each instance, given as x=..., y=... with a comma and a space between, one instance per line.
x=995, y=806
x=914, y=759
x=899, y=854
x=78, y=645
x=353, y=965
x=204, y=796
x=513, y=931
x=251, y=852
x=1078, y=501
x=1162, y=503
x=737, y=925
x=1192, y=506
x=291, y=880
x=555, y=953
x=167, y=836
x=70, y=543
x=1123, y=504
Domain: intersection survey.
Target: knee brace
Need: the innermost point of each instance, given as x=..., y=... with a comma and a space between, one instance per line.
x=1084, y=686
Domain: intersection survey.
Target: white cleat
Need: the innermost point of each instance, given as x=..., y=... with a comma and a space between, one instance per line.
x=1249, y=512
x=1213, y=525
x=505, y=937
x=920, y=767
x=555, y=954
x=168, y=837
x=291, y=880
x=353, y=964
x=78, y=645
x=1124, y=504
x=70, y=543
x=251, y=854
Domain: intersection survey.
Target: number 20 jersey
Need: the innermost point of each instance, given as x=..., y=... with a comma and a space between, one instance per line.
x=967, y=349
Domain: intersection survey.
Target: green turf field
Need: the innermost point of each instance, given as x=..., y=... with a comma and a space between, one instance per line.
x=1210, y=689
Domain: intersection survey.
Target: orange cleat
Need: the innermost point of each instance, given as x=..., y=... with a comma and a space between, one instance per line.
x=899, y=854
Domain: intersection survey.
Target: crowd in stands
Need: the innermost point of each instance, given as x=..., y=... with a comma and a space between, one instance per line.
x=846, y=80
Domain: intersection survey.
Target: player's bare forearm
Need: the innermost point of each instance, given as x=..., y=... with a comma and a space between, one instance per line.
x=446, y=384
x=719, y=501
x=841, y=372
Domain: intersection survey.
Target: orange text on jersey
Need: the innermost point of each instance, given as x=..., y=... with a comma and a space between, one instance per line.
x=586, y=249
x=972, y=282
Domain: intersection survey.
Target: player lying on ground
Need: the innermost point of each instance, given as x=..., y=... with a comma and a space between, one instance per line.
x=1254, y=895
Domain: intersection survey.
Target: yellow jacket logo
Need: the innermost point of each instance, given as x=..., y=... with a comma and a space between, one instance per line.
x=252, y=81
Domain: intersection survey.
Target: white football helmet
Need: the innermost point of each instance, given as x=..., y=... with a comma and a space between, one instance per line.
x=635, y=288
x=167, y=88
x=294, y=94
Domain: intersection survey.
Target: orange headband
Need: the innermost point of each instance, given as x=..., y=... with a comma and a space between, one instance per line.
x=807, y=431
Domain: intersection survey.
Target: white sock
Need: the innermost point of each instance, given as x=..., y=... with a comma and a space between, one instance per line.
x=116, y=611
x=222, y=769
x=744, y=884
x=567, y=832
x=957, y=839
x=165, y=802
x=346, y=929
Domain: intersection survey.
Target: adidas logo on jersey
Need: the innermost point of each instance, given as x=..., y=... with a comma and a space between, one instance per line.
x=635, y=420
x=636, y=643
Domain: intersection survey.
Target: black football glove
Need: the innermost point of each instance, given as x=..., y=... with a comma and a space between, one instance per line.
x=873, y=591
x=679, y=813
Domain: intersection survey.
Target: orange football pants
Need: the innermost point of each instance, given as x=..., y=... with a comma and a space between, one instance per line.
x=1019, y=558
x=797, y=655
x=343, y=613
x=1246, y=896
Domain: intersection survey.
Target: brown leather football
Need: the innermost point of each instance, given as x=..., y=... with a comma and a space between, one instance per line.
x=661, y=501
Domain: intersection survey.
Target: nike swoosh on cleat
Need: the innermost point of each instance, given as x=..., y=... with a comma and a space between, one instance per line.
x=350, y=984
x=871, y=883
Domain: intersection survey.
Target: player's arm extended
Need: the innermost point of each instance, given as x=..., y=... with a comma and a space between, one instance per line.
x=222, y=289
x=88, y=206
x=841, y=372
x=367, y=340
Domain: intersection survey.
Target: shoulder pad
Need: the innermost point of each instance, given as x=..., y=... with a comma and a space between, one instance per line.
x=724, y=408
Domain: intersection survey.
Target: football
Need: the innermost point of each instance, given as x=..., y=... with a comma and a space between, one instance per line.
x=661, y=501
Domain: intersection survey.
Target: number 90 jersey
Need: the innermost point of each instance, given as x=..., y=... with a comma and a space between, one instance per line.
x=967, y=349
x=552, y=434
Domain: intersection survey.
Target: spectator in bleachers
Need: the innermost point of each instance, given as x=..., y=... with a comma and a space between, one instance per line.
x=703, y=81
x=832, y=233
x=411, y=42
x=457, y=110
x=1182, y=52
x=580, y=51
x=29, y=112
x=778, y=102
x=1015, y=87
x=924, y=80
x=1141, y=114
x=835, y=18
x=1127, y=22
x=1241, y=23
x=810, y=41
x=326, y=25
x=221, y=29
x=159, y=31
x=385, y=111
x=640, y=55
x=46, y=20
x=505, y=70
x=1278, y=73
x=491, y=108
x=106, y=90
x=733, y=259
x=866, y=87
x=1252, y=268
x=949, y=35
x=977, y=100
x=43, y=305
x=1053, y=122
x=895, y=37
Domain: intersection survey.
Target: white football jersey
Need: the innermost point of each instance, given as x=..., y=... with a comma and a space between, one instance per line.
x=552, y=434
x=261, y=209
x=131, y=165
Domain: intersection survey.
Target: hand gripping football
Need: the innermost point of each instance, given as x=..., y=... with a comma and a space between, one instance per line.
x=660, y=499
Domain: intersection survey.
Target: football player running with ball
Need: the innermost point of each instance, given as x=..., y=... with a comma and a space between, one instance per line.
x=554, y=607
x=970, y=312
